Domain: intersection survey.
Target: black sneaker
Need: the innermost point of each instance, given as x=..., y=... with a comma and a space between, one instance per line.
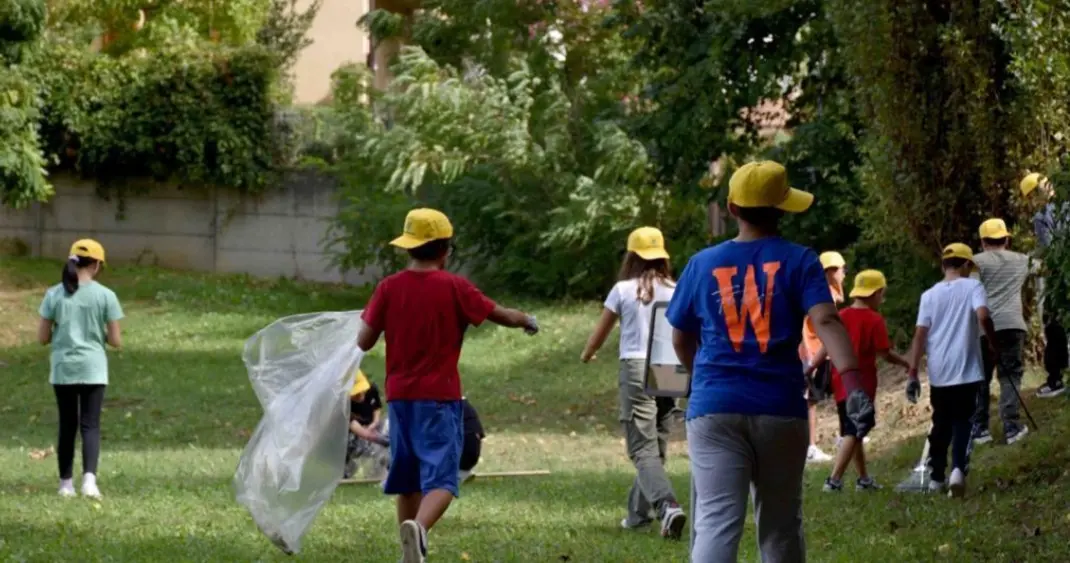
x=1050, y=390
x=832, y=485
x=1015, y=434
x=673, y=522
x=867, y=484
x=981, y=435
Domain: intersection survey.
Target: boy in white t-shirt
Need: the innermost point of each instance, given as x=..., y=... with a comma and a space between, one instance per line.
x=645, y=279
x=948, y=332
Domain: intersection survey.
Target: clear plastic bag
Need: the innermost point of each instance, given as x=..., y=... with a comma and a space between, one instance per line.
x=301, y=368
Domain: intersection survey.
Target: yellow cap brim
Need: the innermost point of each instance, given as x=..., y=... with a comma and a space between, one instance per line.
x=998, y=234
x=653, y=254
x=408, y=242
x=797, y=202
x=862, y=292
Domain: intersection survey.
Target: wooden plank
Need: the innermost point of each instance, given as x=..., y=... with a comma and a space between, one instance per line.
x=492, y=475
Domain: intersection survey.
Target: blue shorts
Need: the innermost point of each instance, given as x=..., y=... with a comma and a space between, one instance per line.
x=426, y=438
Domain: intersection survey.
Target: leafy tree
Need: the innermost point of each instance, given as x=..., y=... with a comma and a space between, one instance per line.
x=22, y=174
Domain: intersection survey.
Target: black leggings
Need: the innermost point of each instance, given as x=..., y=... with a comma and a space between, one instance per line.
x=953, y=407
x=79, y=408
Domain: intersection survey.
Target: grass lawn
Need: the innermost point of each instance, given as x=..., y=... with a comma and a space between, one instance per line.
x=179, y=411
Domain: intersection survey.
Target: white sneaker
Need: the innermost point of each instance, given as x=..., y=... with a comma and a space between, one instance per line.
x=413, y=542
x=936, y=486
x=815, y=455
x=957, y=483
x=672, y=523
x=625, y=524
x=1013, y=437
x=89, y=486
x=465, y=476
x=66, y=488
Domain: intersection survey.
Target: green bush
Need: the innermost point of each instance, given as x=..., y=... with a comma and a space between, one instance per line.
x=22, y=164
x=190, y=112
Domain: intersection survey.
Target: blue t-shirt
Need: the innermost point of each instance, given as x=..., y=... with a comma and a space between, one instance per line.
x=747, y=301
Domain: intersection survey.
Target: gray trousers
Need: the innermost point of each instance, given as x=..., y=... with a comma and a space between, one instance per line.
x=733, y=456
x=1009, y=367
x=646, y=433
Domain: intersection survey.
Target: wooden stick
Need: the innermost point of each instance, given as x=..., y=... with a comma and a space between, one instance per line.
x=528, y=473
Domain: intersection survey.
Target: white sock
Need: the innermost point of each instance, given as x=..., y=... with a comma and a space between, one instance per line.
x=66, y=483
x=89, y=479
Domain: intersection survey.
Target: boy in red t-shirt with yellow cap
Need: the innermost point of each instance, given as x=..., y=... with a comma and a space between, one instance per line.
x=424, y=311
x=869, y=337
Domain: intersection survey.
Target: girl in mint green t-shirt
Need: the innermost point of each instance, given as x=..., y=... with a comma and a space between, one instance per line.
x=78, y=317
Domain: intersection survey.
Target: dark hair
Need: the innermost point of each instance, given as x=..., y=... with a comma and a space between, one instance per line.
x=766, y=217
x=995, y=241
x=432, y=250
x=69, y=277
x=955, y=263
x=648, y=272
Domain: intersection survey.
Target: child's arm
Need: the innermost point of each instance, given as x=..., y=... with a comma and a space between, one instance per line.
x=834, y=338
x=686, y=346
x=115, y=334
x=989, y=328
x=512, y=318
x=367, y=337
x=894, y=358
x=917, y=349
x=820, y=358
x=44, y=331
x=598, y=337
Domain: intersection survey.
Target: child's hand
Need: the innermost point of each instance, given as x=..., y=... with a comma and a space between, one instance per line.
x=532, y=327
x=913, y=390
x=586, y=357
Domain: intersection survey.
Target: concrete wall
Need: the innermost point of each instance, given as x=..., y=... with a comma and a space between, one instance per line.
x=278, y=234
x=336, y=40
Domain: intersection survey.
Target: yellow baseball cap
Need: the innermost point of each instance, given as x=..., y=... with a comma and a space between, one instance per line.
x=765, y=184
x=832, y=260
x=958, y=250
x=88, y=248
x=648, y=243
x=360, y=384
x=1030, y=183
x=994, y=229
x=423, y=226
x=868, y=282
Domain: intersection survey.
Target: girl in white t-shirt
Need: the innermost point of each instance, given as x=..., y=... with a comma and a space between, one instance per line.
x=645, y=278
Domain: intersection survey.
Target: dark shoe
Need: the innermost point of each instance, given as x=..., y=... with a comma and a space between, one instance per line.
x=1015, y=434
x=981, y=435
x=832, y=485
x=1051, y=390
x=867, y=484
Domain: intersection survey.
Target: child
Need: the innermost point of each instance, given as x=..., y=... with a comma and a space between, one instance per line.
x=367, y=439
x=818, y=382
x=424, y=311
x=473, y=441
x=737, y=315
x=1002, y=273
x=78, y=317
x=645, y=278
x=869, y=337
x=947, y=332
x=1046, y=223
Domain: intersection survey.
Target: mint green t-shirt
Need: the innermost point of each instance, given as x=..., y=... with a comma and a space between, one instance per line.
x=79, y=332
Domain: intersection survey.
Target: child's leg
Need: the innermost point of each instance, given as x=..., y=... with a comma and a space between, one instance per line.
x=722, y=463
x=860, y=460
x=408, y=506
x=780, y=447
x=943, y=427
x=812, y=415
x=638, y=417
x=91, y=402
x=962, y=407
x=67, y=404
x=438, y=446
x=403, y=479
x=847, y=448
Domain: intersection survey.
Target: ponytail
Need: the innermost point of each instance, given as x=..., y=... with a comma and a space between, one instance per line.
x=69, y=277
x=649, y=273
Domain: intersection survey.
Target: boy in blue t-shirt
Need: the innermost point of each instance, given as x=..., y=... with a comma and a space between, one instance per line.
x=737, y=315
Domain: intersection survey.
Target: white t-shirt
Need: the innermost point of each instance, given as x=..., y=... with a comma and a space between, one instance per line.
x=949, y=311
x=623, y=300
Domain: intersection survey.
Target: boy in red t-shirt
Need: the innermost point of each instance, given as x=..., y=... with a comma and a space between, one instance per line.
x=869, y=336
x=424, y=311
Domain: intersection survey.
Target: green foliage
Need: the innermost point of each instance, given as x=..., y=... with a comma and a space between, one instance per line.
x=189, y=112
x=524, y=183
x=22, y=173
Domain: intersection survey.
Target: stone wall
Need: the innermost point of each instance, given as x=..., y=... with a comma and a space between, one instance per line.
x=280, y=233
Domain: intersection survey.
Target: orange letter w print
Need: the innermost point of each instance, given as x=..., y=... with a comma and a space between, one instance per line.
x=752, y=306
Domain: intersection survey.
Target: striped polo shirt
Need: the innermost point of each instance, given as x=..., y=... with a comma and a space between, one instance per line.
x=1003, y=273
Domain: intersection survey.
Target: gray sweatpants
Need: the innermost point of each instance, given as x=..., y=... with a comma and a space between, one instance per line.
x=646, y=437
x=736, y=455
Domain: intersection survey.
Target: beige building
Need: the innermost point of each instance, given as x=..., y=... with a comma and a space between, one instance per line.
x=336, y=40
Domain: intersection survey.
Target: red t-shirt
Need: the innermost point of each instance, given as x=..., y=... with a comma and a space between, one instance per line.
x=869, y=335
x=424, y=315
